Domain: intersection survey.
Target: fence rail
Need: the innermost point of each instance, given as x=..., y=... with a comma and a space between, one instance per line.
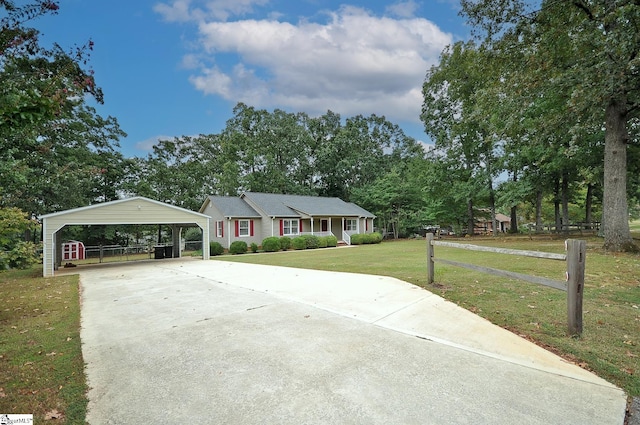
x=573, y=286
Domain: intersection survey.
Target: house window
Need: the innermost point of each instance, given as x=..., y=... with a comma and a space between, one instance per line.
x=290, y=227
x=351, y=224
x=243, y=227
x=220, y=229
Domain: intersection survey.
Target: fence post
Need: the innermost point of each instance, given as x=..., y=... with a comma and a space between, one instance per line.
x=576, y=255
x=430, y=272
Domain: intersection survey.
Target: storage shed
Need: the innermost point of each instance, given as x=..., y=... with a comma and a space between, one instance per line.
x=138, y=210
x=72, y=250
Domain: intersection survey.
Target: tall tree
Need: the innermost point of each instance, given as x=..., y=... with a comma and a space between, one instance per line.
x=452, y=116
x=54, y=150
x=590, y=46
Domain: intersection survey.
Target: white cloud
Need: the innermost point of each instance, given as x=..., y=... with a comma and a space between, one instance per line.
x=148, y=144
x=194, y=10
x=354, y=63
x=403, y=9
x=178, y=11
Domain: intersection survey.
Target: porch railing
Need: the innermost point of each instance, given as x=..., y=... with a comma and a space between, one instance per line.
x=318, y=233
x=346, y=236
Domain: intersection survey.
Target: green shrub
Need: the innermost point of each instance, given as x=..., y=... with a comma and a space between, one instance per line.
x=299, y=243
x=254, y=247
x=285, y=243
x=322, y=242
x=312, y=241
x=366, y=238
x=193, y=234
x=215, y=249
x=22, y=256
x=238, y=247
x=271, y=244
x=332, y=241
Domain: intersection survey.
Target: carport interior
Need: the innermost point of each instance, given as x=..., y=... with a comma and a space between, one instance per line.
x=89, y=244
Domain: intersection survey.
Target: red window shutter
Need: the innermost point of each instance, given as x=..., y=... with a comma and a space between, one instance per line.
x=251, y=228
x=300, y=221
x=222, y=229
x=366, y=225
x=281, y=227
x=237, y=228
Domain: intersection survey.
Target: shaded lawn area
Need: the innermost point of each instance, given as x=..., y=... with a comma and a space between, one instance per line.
x=609, y=345
x=41, y=365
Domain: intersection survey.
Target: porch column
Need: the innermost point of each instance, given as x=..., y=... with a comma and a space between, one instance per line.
x=312, y=225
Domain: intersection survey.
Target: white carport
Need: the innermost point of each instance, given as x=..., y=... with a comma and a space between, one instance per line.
x=136, y=210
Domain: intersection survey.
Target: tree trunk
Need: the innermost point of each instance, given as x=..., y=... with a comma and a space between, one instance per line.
x=514, y=219
x=470, y=220
x=565, y=201
x=556, y=205
x=539, y=211
x=588, y=213
x=492, y=206
x=617, y=236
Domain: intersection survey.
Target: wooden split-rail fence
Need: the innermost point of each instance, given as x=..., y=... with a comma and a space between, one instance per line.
x=573, y=285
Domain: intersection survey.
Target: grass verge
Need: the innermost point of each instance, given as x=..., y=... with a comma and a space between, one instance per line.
x=41, y=365
x=609, y=343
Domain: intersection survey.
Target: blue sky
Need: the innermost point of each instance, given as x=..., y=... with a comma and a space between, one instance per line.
x=178, y=67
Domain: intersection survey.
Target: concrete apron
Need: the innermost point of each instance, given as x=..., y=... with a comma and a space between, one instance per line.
x=208, y=342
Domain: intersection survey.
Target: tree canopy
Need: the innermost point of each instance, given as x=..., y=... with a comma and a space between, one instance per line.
x=558, y=92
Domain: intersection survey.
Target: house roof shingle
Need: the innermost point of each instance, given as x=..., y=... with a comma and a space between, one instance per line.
x=232, y=206
x=278, y=205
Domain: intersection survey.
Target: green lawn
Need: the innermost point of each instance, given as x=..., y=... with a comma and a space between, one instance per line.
x=609, y=345
x=42, y=370
x=41, y=365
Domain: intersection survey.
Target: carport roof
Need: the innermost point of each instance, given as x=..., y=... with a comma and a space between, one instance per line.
x=104, y=205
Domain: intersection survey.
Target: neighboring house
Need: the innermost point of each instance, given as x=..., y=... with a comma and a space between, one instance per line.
x=484, y=225
x=252, y=217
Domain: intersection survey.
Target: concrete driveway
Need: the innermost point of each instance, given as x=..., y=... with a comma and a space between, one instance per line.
x=209, y=342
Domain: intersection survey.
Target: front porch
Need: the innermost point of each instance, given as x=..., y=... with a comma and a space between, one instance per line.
x=340, y=227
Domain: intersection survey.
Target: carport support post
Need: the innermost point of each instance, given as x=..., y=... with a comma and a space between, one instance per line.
x=176, y=236
x=576, y=255
x=430, y=265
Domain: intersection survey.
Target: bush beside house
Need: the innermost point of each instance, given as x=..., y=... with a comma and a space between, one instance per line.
x=299, y=243
x=285, y=243
x=332, y=241
x=271, y=244
x=311, y=241
x=215, y=248
x=238, y=247
x=366, y=238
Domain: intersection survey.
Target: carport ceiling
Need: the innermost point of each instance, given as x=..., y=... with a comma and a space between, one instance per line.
x=138, y=210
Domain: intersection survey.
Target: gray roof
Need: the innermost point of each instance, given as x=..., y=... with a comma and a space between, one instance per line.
x=232, y=206
x=278, y=205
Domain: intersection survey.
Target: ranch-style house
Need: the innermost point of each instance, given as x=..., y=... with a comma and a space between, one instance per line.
x=252, y=217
